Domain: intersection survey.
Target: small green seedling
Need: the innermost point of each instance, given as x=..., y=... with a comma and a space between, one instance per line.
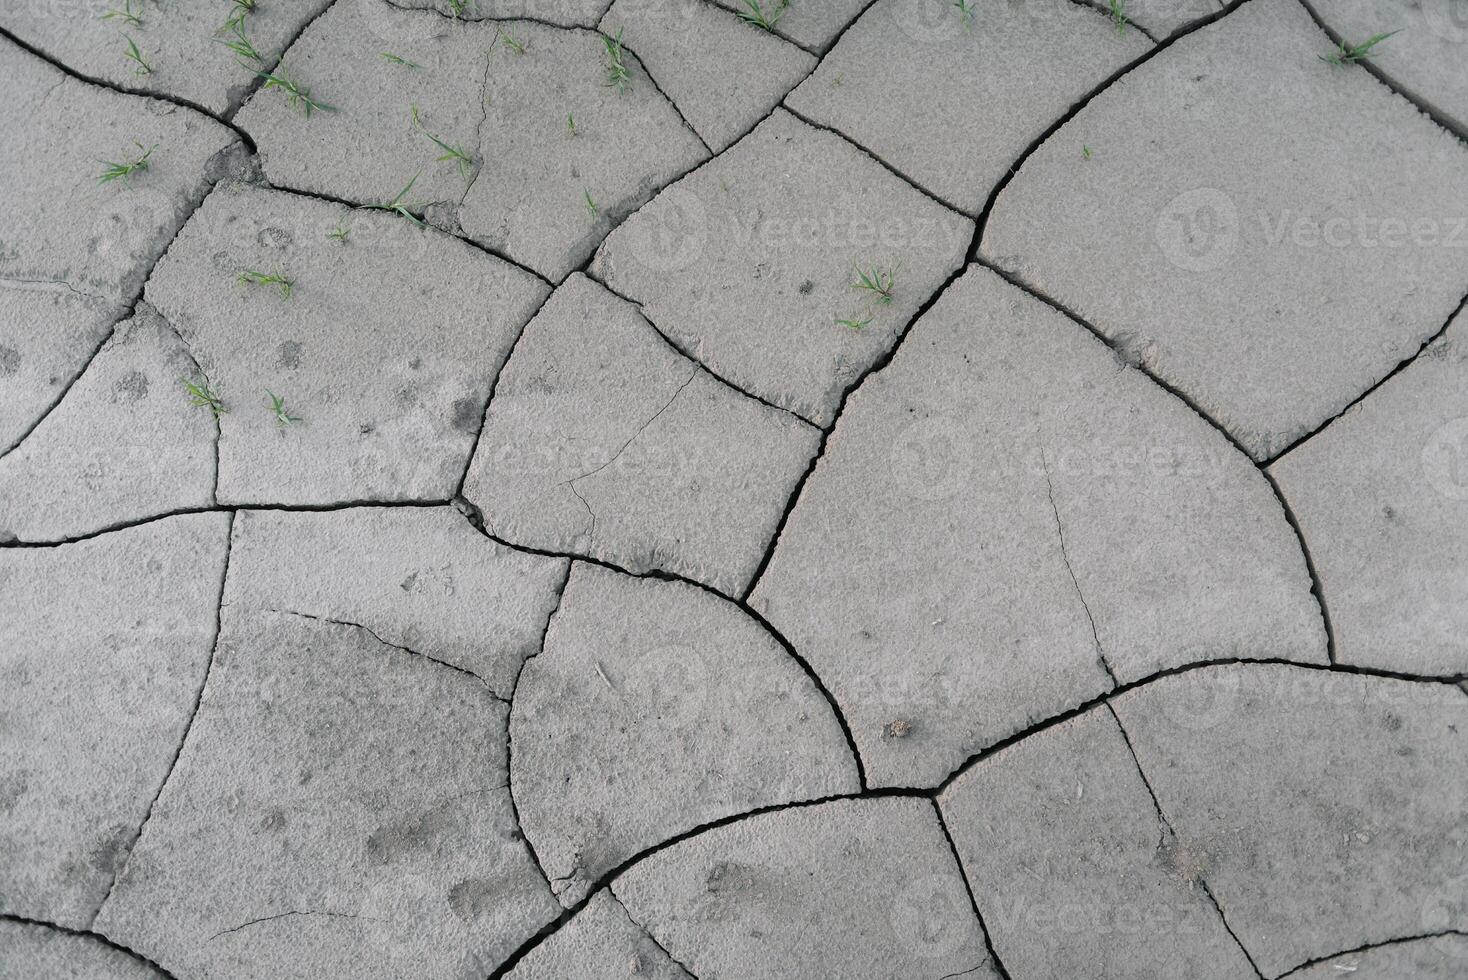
x=277, y=405
x=294, y=93
x=754, y=13
x=338, y=234
x=965, y=12
x=570, y=124
x=250, y=277
x=591, y=205
x=456, y=7
x=123, y=171
x=125, y=15
x=397, y=205
x=394, y=59
x=618, y=77
x=1118, y=15
x=1349, y=55
x=877, y=282
x=240, y=44
x=449, y=152
x=238, y=12
x=513, y=43
x=1085, y=152
x=853, y=323
x=203, y=395
x=141, y=66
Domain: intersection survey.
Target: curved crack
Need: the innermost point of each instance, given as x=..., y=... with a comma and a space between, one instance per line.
x=1065, y=557
x=1368, y=947
x=96, y=937
x=288, y=914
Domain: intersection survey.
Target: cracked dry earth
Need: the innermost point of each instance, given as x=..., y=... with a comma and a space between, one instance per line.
x=542, y=581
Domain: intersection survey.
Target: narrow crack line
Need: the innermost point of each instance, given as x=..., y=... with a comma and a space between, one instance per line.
x=1316, y=587
x=633, y=438
x=120, y=867
x=515, y=19
x=1075, y=582
x=1081, y=103
x=259, y=83
x=359, y=206
x=1165, y=829
x=288, y=914
x=607, y=880
x=968, y=888
x=106, y=337
x=224, y=509
x=96, y=937
x=665, y=97
x=164, y=97
x=1092, y=703
x=479, y=130
x=493, y=388
x=391, y=646
x=682, y=351
x=1097, y=6
x=1401, y=366
x=775, y=32
x=591, y=531
x=21, y=282
x=217, y=423
x=648, y=933
x=910, y=181
x=1368, y=947
x=1396, y=88
x=510, y=733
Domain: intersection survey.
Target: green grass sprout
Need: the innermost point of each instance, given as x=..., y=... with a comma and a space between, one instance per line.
x=877, y=282
x=142, y=67
x=449, y=152
x=250, y=277
x=591, y=205
x=125, y=15
x=618, y=77
x=1349, y=55
x=853, y=323
x=510, y=41
x=294, y=93
x=965, y=12
x=394, y=59
x=203, y=395
x=1085, y=152
x=570, y=124
x=755, y=13
x=397, y=205
x=277, y=406
x=240, y=44
x=1118, y=15
x=123, y=171
x=338, y=234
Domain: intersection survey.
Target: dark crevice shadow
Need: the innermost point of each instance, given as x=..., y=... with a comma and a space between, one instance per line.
x=1368, y=947
x=96, y=937
x=968, y=888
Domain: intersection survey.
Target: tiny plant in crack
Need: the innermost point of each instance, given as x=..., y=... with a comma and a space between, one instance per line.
x=1351, y=54
x=449, y=152
x=510, y=41
x=1118, y=15
x=456, y=7
x=295, y=94
x=877, y=283
x=618, y=77
x=239, y=43
x=399, y=204
x=754, y=13
x=238, y=11
x=277, y=407
x=393, y=59
x=124, y=170
x=141, y=65
x=251, y=277
x=202, y=395
x=125, y=14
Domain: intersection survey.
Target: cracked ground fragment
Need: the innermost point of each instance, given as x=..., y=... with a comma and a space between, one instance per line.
x=604, y=441
x=1431, y=958
x=389, y=408
x=747, y=263
x=103, y=646
x=654, y=709
x=122, y=444
x=1325, y=811
x=525, y=192
x=1071, y=868
x=1005, y=518
x=813, y=25
x=687, y=46
x=601, y=942
x=74, y=252
x=1381, y=495
x=180, y=42
x=354, y=797
x=851, y=888
x=1031, y=62
x=1247, y=207
x=1424, y=60
x=38, y=952
x=419, y=578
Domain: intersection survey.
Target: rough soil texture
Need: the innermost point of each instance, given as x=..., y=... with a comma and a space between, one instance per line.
x=734, y=490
